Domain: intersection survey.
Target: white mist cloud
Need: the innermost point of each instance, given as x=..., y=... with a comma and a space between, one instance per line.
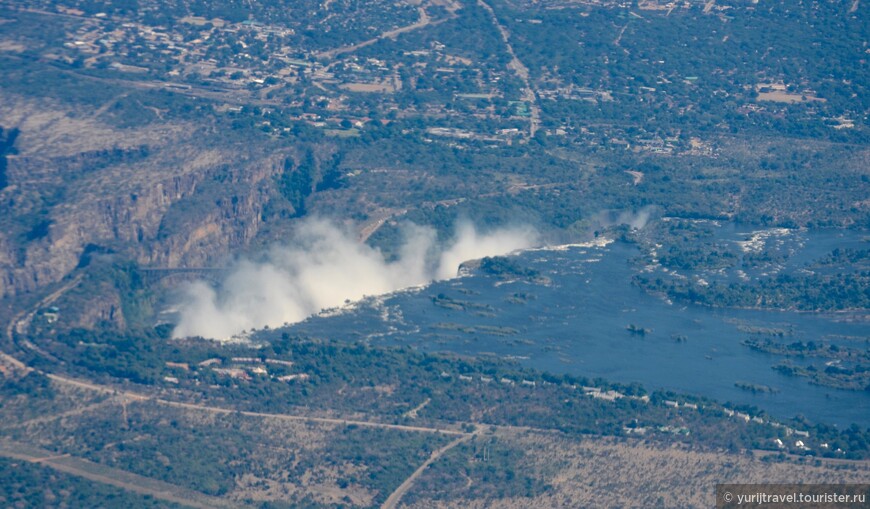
x=323, y=267
x=469, y=245
x=633, y=219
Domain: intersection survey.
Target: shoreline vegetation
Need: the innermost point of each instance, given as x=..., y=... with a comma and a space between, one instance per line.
x=282, y=373
x=755, y=388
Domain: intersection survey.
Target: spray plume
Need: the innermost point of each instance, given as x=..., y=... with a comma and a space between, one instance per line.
x=324, y=267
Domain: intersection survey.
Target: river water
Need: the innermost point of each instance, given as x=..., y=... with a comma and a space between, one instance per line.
x=577, y=323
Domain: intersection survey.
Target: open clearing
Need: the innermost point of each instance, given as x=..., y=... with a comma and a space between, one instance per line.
x=610, y=472
x=785, y=97
x=369, y=87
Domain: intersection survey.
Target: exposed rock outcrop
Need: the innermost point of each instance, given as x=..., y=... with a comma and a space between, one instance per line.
x=164, y=195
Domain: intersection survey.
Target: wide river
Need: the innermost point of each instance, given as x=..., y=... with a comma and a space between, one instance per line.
x=577, y=325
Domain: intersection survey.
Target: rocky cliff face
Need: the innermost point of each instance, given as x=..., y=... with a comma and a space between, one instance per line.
x=165, y=196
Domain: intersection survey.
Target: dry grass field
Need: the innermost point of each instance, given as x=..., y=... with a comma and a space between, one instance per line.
x=606, y=472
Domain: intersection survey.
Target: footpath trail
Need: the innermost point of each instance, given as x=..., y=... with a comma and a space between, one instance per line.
x=403, y=488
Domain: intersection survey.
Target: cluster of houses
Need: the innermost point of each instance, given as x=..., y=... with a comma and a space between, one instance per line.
x=612, y=395
x=121, y=44
x=789, y=432
x=242, y=368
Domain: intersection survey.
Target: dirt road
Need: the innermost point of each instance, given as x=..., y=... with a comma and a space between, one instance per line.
x=521, y=70
x=423, y=21
x=305, y=418
x=112, y=476
x=403, y=488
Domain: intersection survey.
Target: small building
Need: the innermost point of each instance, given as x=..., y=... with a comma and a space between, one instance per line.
x=233, y=373
x=295, y=376
x=607, y=396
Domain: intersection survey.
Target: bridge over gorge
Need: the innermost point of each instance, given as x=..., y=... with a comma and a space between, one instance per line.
x=212, y=274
